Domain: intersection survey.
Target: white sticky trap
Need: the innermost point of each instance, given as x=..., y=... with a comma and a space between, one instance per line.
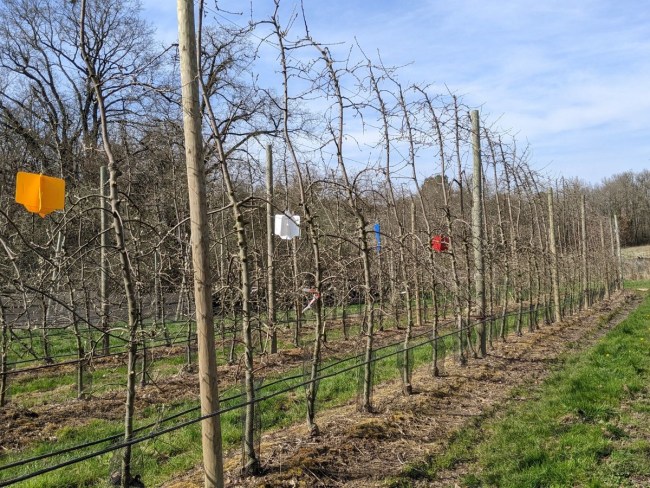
x=287, y=227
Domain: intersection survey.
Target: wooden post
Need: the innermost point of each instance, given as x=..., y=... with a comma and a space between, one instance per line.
x=211, y=427
x=583, y=245
x=603, y=248
x=619, y=260
x=103, y=262
x=477, y=232
x=555, y=282
x=270, y=291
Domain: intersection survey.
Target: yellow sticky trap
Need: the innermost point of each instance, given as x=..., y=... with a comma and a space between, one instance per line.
x=39, y=193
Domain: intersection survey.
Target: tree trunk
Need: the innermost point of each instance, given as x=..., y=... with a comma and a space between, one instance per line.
x=477, y=233
x=4, y=354
x=103, y=260
x=120, y=243
x=456, y=290
x=555, y=281
x=270, y=250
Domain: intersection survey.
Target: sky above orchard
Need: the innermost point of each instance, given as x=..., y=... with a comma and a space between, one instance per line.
x=571, y=79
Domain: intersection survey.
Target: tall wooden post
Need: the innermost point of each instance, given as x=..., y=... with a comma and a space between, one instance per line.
x=211, y=427
x=603, y=249
x=619, y=259
x=555, y=281
x=270, y=291
x=103, y=262
x=583, y=245
x=477, y=231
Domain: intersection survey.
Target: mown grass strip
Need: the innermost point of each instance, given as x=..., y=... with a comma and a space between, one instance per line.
x=581, y=427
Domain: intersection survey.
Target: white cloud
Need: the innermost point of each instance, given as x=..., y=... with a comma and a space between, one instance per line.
x=570, y=77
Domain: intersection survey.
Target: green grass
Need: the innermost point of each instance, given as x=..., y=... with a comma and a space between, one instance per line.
x=633, y=285
x=580, y=429
x=52, y=387
x=25, y=390
x=62, y=345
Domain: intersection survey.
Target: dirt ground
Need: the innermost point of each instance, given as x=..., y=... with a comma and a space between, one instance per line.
x=363, y=450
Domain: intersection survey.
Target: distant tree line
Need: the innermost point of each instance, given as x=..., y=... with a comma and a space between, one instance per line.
x=628, y=196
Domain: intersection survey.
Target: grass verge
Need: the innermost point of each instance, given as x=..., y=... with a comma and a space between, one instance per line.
x=585, y=426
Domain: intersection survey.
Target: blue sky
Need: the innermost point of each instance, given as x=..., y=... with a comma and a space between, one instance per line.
x=571, y=78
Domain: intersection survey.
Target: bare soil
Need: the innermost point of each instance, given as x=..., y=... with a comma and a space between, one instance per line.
x=362, y=450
